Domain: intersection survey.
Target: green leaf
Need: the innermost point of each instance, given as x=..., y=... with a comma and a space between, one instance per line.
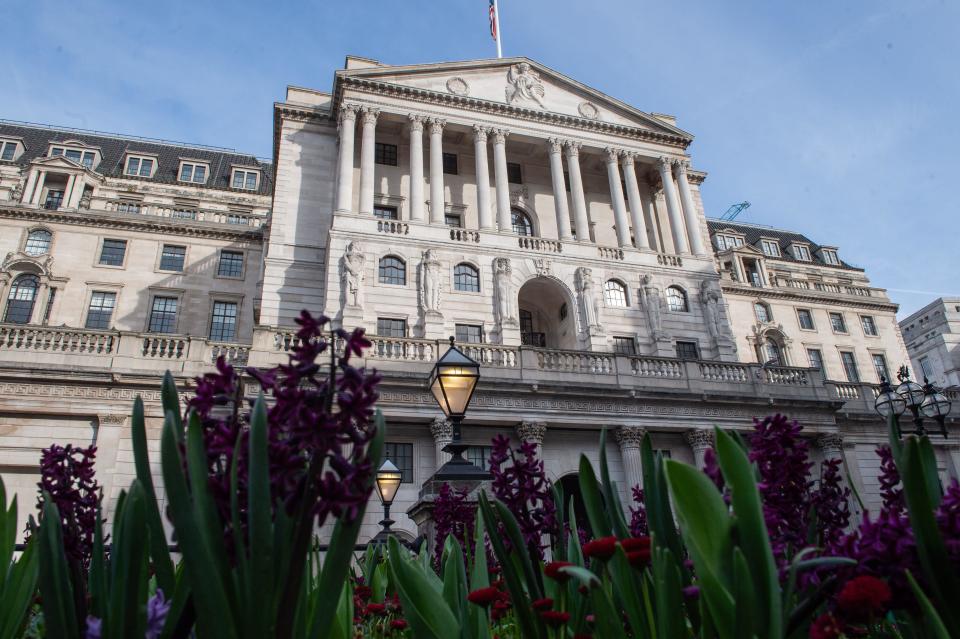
x=342, y=625
x=607, y=618
x=519, y=550
x=18, y=581
x=427, y=613
x=657, y=502
x=260, y=579
x=668, y=594
x=611, y=495
x=627, y=582
x=170, y=401
x=592, y=501
x=930, y=615
x=98, y=576
x=128, y=568
x=747, y=623
x=454, y=577
x=59, y=613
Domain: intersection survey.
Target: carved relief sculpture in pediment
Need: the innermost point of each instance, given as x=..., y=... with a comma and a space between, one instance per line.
x=524, y=82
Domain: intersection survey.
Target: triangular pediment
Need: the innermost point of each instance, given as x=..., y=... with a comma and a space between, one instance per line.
x=516, y=82
x=58, y=162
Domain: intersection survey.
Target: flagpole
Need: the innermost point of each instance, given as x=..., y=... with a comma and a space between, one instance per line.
x=496, y=21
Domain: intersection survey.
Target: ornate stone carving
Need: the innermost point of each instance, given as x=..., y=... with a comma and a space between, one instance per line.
x=543, y=266
x=430, y=279
x=710, y=297
x=588, y=110
x=664, y=163
x=629, y=436
x=518, y=196
x=112, y=419
x=612, y=155
x=830, y=444
x=416, y=122
x=436, y=125
x=530, y=431
x=352, y=275
x=84, y=203
x=589, y=303
x=441, y=429
x=699, y=439
x=503, y=303
x=524, y=82
x=369, y=115
x=347, y=114
x=572, y=148
x=458, y=86
x=16, y=195
x=480, y=133
x=680, y=167
x=554, y=145
x=499, y=135
x=653, y=305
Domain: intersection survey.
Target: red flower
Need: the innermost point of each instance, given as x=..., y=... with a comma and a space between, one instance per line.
x=542, y=604
x=555, y=618
x=602, y=548
x=552, y=570
x=634, y=544
x=398, y=624
x=483, y=596
x=376, y=609
x=825, y=626
x=500, y=608
x=864, y=597
x=363, y=592
x=583, y=590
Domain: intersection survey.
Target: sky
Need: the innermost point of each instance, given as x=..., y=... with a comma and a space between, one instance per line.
x=836, y=119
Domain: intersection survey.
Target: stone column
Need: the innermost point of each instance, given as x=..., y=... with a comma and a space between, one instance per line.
x=437, y=206
x=368, y=128
x=673, y=207
x=416, y=168
x=27, y=195
x=38, y=189
x=533, y=432
x=636, y=207
x=554, y=147
x=629, y=438
x=831, y=447
x=442, y=431
x=483, y=177
x=616, y=196
x=650, y=216
x=348, y=118
x=689, y=209
x=79, y=185
x=699, y=439
x=68, y=191
x=580, y=219
x=500, y=178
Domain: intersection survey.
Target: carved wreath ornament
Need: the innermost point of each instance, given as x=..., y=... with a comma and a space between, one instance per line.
x=458, y=86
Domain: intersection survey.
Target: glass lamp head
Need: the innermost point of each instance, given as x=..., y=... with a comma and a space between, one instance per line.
x=453, y=380
x=889, y=402
x=911, y=392
x=388, y=482
x=935, y=404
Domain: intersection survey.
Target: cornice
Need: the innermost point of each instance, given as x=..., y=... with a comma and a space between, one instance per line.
x=796, y=294
x=144, y=224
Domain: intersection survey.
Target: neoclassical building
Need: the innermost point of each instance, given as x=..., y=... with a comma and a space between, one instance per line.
x=557, y=232
x=932, y=335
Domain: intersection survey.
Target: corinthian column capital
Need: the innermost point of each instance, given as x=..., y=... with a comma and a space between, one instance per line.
x=480, y=133
x=680, y=167
x=530, y=431
x=830, y=443
x=612, y=155
x=629, y=157
x=699, y=438
x=554, y=145
x=664, y=162
x=369, y=115
x=441, y=429
x=499, y=135
x=572, y=148
x=347, y=113
x=436, y=125
x=629, y=436
x=416, y=122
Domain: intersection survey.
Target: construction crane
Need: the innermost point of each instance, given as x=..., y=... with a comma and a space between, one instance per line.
x=734, y=210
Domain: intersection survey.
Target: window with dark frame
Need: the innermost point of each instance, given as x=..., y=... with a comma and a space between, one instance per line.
x=139, y=167
x=172, y=257
x=466, y=278
x=454, y=220
x=837, y=323
x=479, y=456
x=163, y=315
x=816, y=358
x=223, y=323
x=9, y=149
x=390, y=327
x=880, y=366
x=850, y=366
x=402, y=457
x=869, y=326
x=615, y=293
x=521, y=223
x=687, y=350
x=806, y=319
x=761, y=311
x=392, y=270
x=100, y=310
x=246, y=180
x=38, y=242
x=677, y=300
x=48, y=309
x=384, y=153
x=191, y=172
x=469, y=333
x=231, y=264
x=54, y=200
x=450, y=166
x=112, y=252
x=21, y=299
x=514, y=173
x=624, y=345
x=386, y=212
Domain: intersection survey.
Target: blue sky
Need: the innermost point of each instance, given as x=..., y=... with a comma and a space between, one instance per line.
x=836, y=119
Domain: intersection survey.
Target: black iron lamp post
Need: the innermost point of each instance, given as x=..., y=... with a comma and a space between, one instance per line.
x=922, y=401
x=452, y=382
x=388, y=482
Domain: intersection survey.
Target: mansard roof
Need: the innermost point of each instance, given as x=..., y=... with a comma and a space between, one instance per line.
x=753, y=233
x=114, y=148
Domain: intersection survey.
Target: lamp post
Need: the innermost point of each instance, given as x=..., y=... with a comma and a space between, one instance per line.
x=922, y=401
x=388, y=482
x=452, y=382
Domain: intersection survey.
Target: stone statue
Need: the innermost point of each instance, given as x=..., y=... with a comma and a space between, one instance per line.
x=653, y=304
x=524, y=82
x=589, y=304
x=711, y=308
x=352, y=277
x=85, y=200
x=430, y=276
x=17, y=193
x=503, y=292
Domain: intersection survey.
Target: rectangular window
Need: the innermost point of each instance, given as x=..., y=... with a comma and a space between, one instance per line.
x=830, y=257
x=514, y=173
x=926, y=368
x=73, y=154
x=402, y=457
x=389, y=327
x=223, y=325
x=196, y=173
x=386, y=212
x=231, y=264
x=880, y=366
x=801, y=253
x=51, y=296
x=770, y=248
x=9, y=150
x=142, y=167
x=100, y=310
x=112, y=252
x=128, y=207
x=816, y=358
x=850, y=366
x=163, y=315
x=469, y=333
x=624, y=345
x=385, y=154
x=235, y=218
x=172, y=257
x=806, y=319
x=837, y=323
x=184, y=214
x=246, y=180
x=88, y=158
x=869, y=326
x=479, y=456
x=450, y=164
x=54, y=200
x=687, y=350
x=453, y=219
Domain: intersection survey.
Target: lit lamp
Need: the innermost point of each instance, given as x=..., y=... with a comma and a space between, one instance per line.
x=388, y=483
x=452, y=382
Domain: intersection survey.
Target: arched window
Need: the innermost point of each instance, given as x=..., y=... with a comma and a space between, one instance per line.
x=762, y=311
x=38, y=242
x=466, y=278
x=521, y=222
x=772, y=352
x=615, y=293
x=393, y=270
x=677, y=299
x=22, y=297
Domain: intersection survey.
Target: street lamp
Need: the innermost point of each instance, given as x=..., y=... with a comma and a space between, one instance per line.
x=388, y=482
x=452, y=382
x=922, y=401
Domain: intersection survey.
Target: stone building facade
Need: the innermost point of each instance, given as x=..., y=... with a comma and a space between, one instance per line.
x=932, y=335
x=557, y=232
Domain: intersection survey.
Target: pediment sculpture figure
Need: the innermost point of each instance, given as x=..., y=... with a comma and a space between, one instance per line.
x=653, y=305
x=524, y=82
x=430, y=276
x=352, y=275
x=503, y=306
x=589, y=303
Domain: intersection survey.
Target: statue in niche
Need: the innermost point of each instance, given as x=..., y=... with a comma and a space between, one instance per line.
x=17, y=193
x=589, y=304
x=430, y=275
x=504, y=312
x=524, y=82
x=653, y=304
x=352, y=276
x=710, y=298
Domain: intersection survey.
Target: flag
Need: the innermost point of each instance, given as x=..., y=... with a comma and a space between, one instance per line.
x=493, y=19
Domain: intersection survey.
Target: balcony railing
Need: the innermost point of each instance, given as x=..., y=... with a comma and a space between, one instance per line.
x=182, y=213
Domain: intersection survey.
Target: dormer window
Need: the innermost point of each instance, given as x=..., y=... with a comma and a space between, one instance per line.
x=8, y=150
x=138, y=166
x=245, y=179
x=801, y=252
x=725, y=242
x=770, y=248
x=194, y=172
x=86, y=158
x=830, y=257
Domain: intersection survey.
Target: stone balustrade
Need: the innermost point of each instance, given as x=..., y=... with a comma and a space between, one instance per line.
x=184, y=213
x=465, y=235
x=15, y=337
x=610, y=253
x=541, y=244
x=393, y=227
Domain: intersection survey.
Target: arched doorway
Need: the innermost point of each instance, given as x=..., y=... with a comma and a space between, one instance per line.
x=547, y=315
x=569, y=486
